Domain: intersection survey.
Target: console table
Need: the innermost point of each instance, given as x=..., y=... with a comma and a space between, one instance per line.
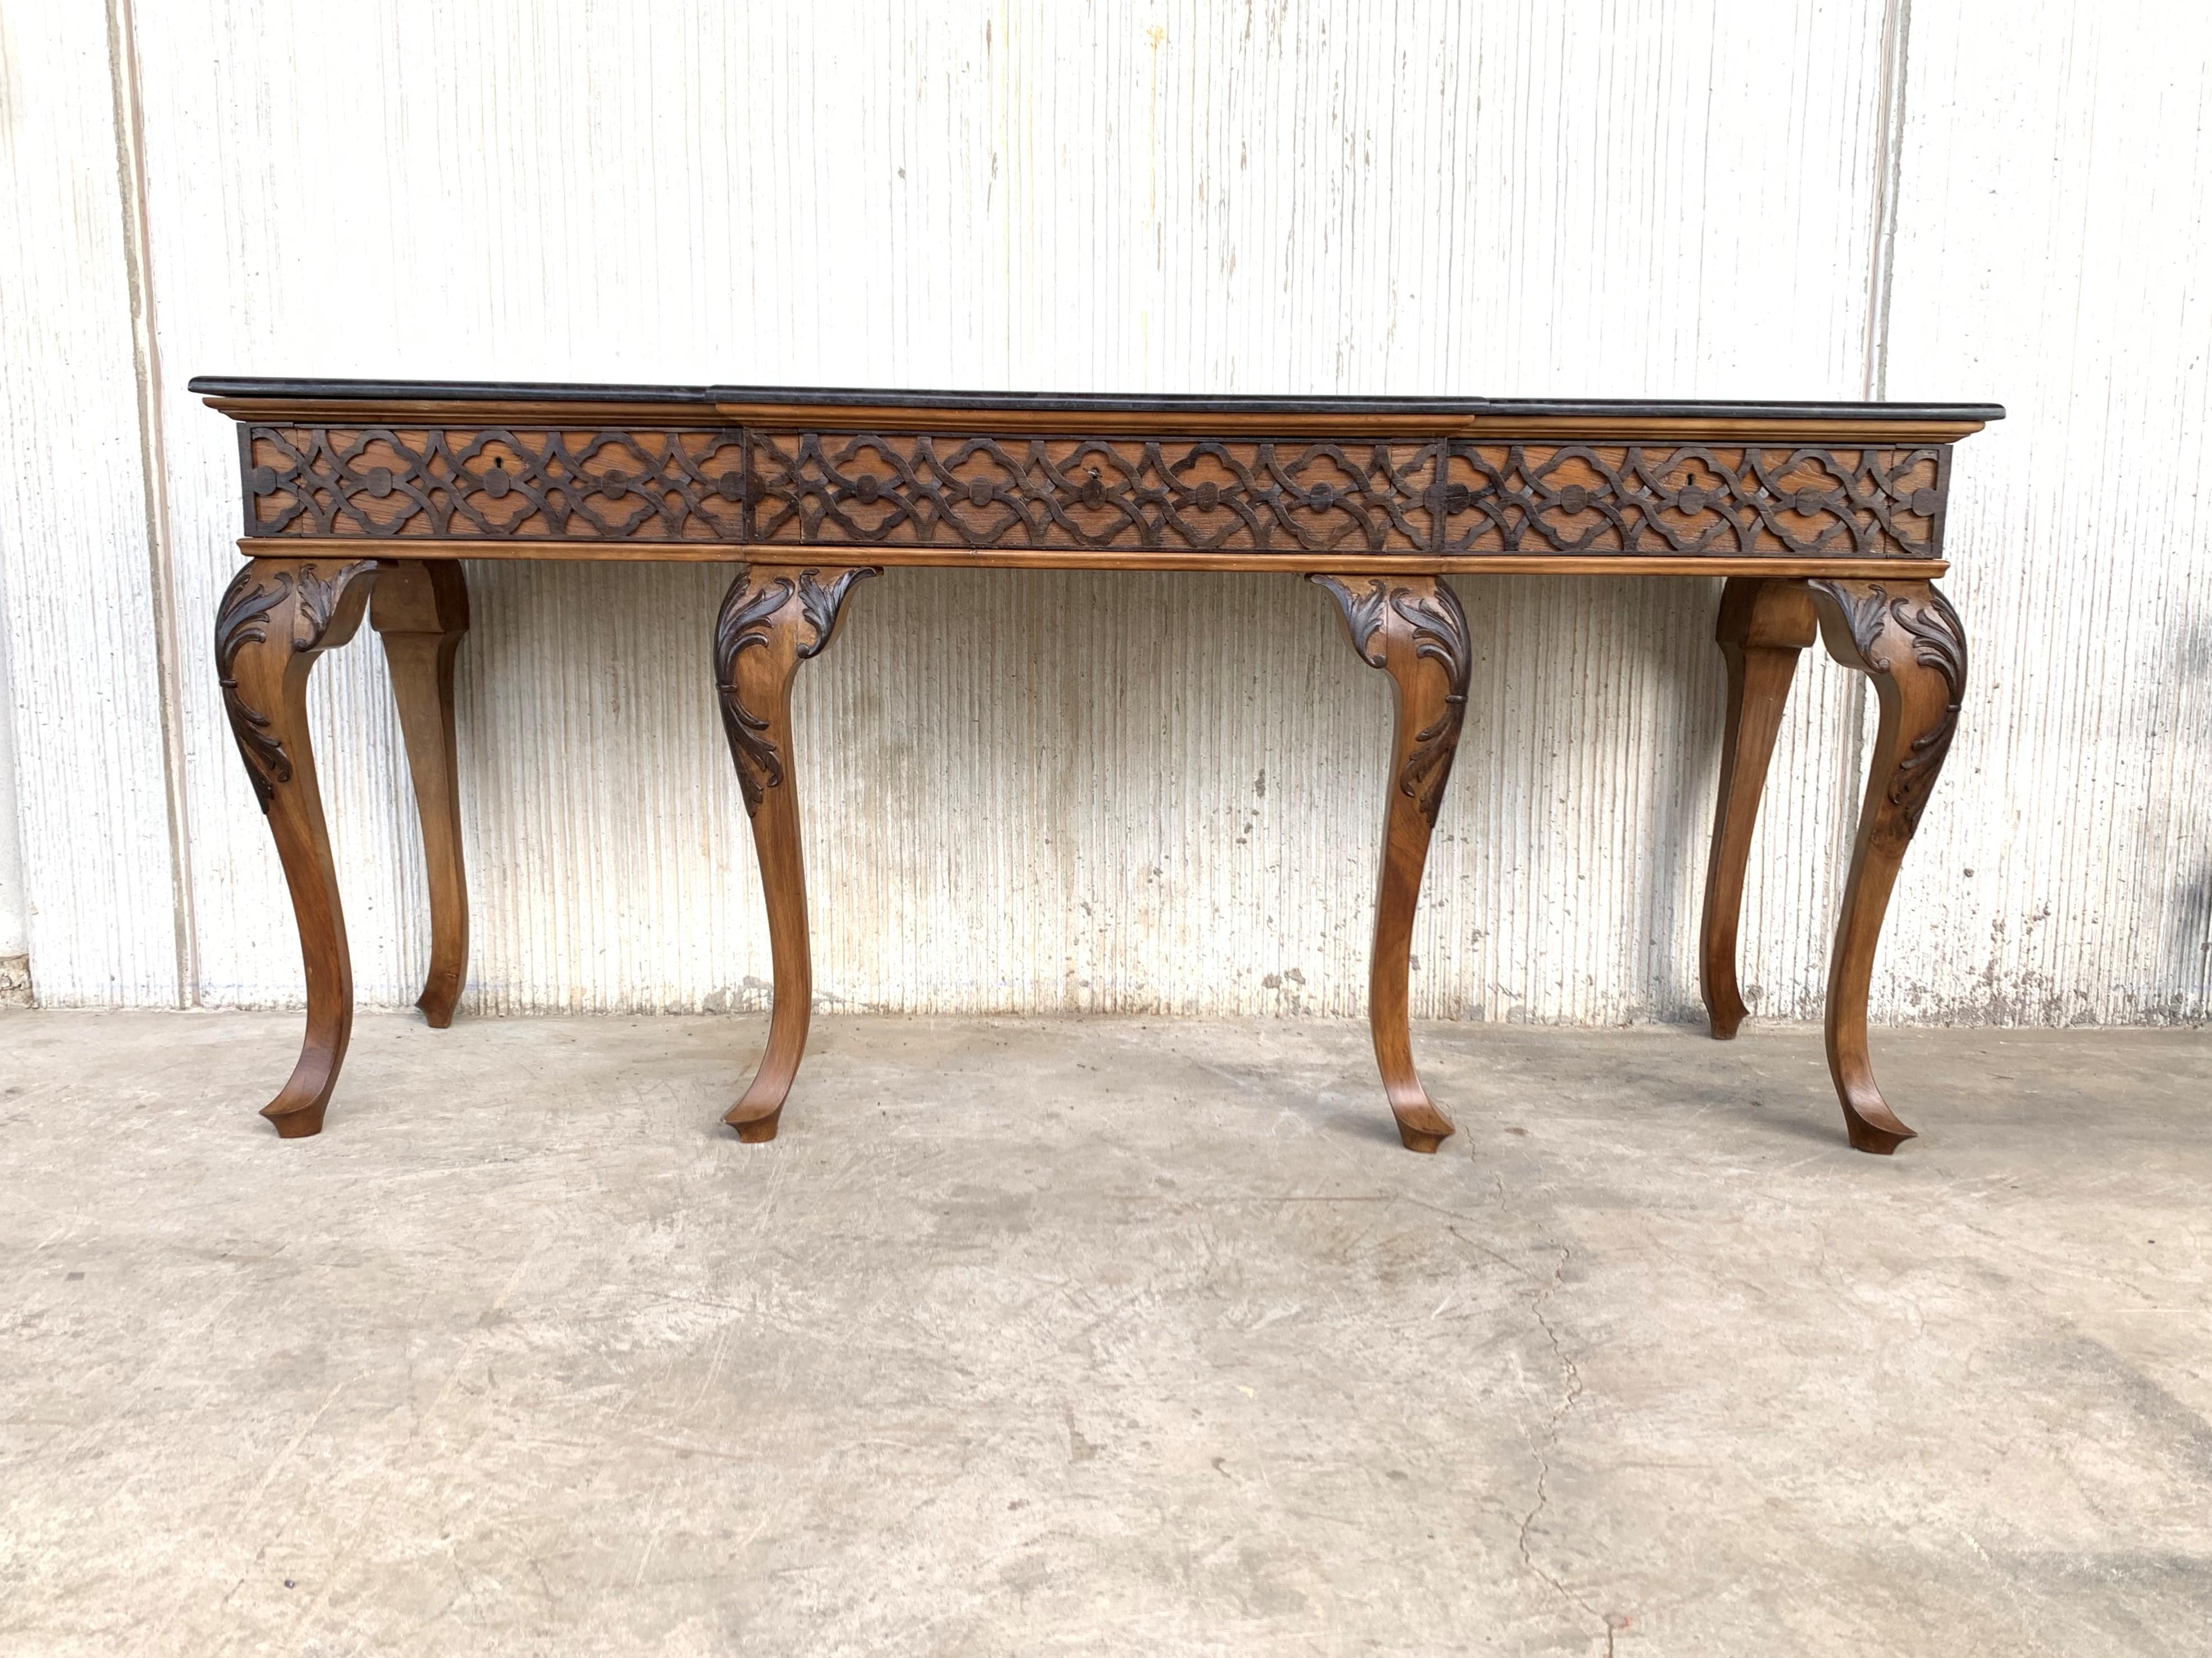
x=363, y=496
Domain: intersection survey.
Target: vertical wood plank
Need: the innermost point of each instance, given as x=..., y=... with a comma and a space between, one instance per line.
x=76, y=582
x=2056, y=205
x=1161, y=793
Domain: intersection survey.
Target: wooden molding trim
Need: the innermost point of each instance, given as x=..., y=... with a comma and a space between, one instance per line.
x=344, y=402
x=696, y=552
x=1887, y=430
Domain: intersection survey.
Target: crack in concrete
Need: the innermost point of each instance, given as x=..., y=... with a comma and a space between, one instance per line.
x=1568, y=1397
x=1544, y=1290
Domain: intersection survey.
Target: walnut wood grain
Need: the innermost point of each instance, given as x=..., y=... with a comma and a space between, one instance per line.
x=1414, y=630
x=1762, y=626
x=277, y=617
x=421, y=612
x=773, y=619
x=1839, y=506
x=971, y=490
x=1907, y=639
x=593, y=483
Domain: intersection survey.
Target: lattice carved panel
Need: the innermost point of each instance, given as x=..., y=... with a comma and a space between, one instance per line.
x=1580, y=498
x=654, y=484
x=1106, y=493
x=997, y=493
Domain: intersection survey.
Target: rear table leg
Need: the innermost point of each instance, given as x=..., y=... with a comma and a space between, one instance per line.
x=1763, y=625
x=421, y=612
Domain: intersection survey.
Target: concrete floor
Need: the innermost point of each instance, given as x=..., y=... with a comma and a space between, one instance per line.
x=1100, y=1337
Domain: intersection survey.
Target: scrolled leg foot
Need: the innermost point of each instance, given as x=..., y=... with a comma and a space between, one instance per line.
x=1414, y=629
x=751, y=1130
x=1871, y=1127
x=1905, y=637
x=772, y=620
x=1421, y=1126
x=279, y=615
x=298, y=1123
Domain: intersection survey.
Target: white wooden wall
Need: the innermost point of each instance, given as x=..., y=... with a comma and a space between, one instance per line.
x=1068, y=792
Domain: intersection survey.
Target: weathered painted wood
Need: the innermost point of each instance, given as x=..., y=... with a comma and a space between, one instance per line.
x=76, y=588
x=1160, y=793
x=2056, y=205
x=14, y=891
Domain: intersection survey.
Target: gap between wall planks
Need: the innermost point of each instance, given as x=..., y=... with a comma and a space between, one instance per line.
x=1355, y=198
x=85, y=687
x=146, y=362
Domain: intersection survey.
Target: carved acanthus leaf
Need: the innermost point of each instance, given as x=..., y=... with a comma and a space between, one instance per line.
x=744, y=625
x=1363, y=613
x=318, y=600
x=819, y=602
x=1427, y=616
x=1939, y=641
x=1865, y=608
x=1924, y=622
x=242, y=619
x=1439, y=635
x=247, y=617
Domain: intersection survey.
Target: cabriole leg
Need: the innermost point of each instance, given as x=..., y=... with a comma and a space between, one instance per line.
x=1907, y=638
x=421, y=610
x=772, y=620
x=1414, y=629
x=1763, y=625
x=277, y=617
